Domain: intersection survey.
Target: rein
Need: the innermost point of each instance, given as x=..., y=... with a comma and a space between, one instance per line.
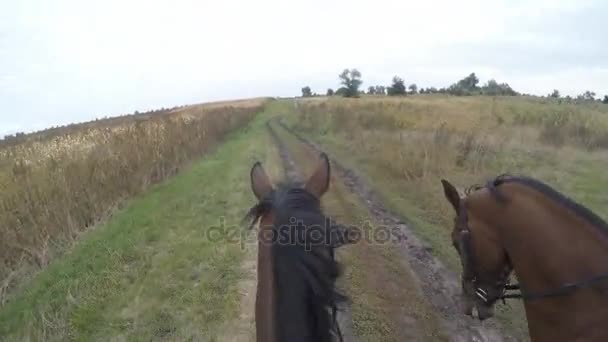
x=470, y=273
x=560, y=291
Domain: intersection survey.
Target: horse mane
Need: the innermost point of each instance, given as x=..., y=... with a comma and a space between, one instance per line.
x=307, y=299
x=546, y=190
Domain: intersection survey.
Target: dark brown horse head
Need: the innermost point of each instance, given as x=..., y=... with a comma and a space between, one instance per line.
x=297, y=298
x=485, y=263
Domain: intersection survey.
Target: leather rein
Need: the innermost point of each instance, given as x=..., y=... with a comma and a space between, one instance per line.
x=470, y=273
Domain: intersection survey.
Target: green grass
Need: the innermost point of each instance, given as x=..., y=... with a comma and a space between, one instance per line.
x=151, y=272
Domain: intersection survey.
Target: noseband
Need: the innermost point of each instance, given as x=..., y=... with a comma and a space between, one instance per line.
x=470, y=272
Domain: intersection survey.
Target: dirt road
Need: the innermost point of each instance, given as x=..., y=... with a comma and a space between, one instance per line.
x=439, y=286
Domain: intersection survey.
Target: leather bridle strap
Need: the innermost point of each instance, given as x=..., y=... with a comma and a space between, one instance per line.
x=470, y=272
x=466, y=253
x=560, y=291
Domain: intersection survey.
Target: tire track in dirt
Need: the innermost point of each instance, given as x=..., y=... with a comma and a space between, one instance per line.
x=440, y=285
x=344, y=315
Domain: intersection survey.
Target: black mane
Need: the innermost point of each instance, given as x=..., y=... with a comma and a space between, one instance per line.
x=548, y=191
x=304, y=266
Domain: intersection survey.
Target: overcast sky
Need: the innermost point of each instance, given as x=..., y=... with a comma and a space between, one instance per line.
x=66, y=61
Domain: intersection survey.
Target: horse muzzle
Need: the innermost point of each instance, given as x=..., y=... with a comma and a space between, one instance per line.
x=483, y=310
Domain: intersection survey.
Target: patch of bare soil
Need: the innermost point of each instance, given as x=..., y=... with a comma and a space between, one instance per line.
x=440, y=285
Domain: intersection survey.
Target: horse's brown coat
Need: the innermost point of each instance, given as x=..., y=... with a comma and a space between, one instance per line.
x=549, y=245
x=295, y=285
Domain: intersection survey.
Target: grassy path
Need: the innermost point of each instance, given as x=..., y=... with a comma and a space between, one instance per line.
x=406, y=202
x=154, y=271
x=386, y=303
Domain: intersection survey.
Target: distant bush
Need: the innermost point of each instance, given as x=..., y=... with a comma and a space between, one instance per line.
x=397, y=87
x=466, y=86
x=494, y=88
x=380, y=90
x=306, y=92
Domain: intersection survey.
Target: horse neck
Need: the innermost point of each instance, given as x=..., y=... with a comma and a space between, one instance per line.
x=550, y=245
x=284, y=310
x=547, y=243
x=265, y=304
x=301, y=316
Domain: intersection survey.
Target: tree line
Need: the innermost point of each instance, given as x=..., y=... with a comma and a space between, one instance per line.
x=351, y=82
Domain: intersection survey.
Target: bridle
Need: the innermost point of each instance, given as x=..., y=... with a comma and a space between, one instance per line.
x=471, y=275
x=469, y=266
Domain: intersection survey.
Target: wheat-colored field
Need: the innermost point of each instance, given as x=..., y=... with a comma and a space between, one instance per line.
x=56, y=184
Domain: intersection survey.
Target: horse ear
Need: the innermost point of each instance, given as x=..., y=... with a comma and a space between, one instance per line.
x=451, y=194
x=260, y=183
x=318, y=183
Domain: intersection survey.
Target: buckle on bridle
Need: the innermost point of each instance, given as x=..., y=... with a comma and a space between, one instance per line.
x=481, y=294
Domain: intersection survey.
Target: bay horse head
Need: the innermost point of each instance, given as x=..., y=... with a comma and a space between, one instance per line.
x=486, y=267
x=296, y=297
x=557, y=248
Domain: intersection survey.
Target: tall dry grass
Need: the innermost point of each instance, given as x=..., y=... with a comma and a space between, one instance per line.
x=54, y=188
x=406, y=145
x=412, y=142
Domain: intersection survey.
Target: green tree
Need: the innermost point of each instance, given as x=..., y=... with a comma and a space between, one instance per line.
x=413, y=89
x=605, y=100
x=421, y=91
x=555, y=94
x=306, y=92
x=494, y=88
x=397, y=88
x=371, y=90
x=380, y=90
x=466, y=86
x=330, y=92
x=351, y=80
x=471, y=81
x=340, y=92
x=589, y=95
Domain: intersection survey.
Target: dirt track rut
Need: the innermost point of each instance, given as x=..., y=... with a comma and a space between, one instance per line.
x=440, y=285
x=291, y=173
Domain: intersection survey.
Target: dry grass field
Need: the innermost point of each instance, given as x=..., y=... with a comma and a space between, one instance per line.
x=405, y=146
x=152, y=272
x=56, y=184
